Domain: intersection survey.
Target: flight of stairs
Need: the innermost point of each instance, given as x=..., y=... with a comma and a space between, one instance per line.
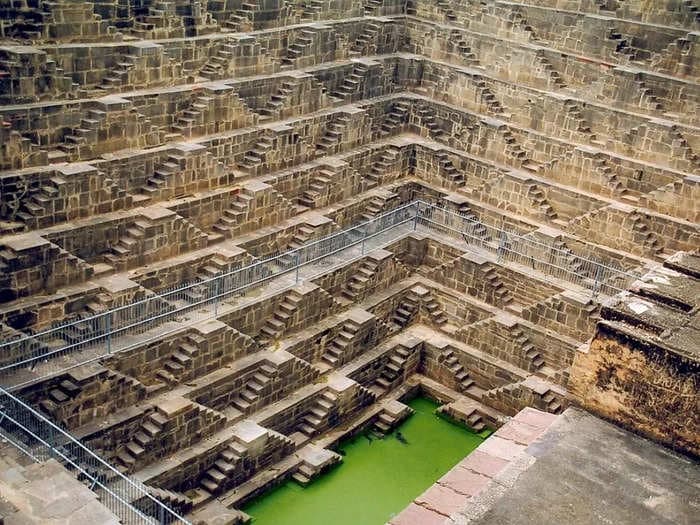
x=396, y=117
x=553, y=76
x=501, y=293
x=316, y=418
x=386, y=161
x=528, y=350
x=427, y=118
x=333, y=135
x=150, y=428
x=352, y=83
x=448, y=169
x=163, y=174
x=274, y=107
x=461, y=376
x=540, y=202
x=643, y=234
x=298, y=48
x=227, y=462
x=276, y=325
x=446, y=7
x=392, y=370
x=135, y=235
x=318, y=187
x=464, y=50
x=257, y=155
x=364, y=43
x=180, y=360
x=335, y=354
x=357, y=284
x=405, y=313
x=235, y=215
x=250, y=393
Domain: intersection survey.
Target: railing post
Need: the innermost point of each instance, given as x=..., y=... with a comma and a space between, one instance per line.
x=501, y=246
x=415, y=217
x=217, y=294
x=297, y=263
x=596, y=280
x=364, y=237
x=108, y=322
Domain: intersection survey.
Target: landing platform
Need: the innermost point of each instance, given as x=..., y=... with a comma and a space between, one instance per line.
x=580, y=471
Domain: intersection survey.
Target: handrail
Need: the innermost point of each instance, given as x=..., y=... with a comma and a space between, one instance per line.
x=98, y=333
x=40, y=439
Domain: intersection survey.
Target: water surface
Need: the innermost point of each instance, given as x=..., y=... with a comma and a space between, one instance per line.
x=376, y=479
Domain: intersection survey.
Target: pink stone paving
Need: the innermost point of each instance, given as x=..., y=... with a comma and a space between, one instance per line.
x=474, y=473
x=519, y=432
x=535, y=418
x=502, y=448
x=417, y=515
x=441, y=499
x=464, y=481
x=483, y=463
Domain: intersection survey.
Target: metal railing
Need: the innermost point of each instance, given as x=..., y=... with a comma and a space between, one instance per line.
x=118, y=329
x=606, y=278
x=41, y=440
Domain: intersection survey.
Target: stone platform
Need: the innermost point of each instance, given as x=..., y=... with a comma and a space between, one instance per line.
x=572, y=468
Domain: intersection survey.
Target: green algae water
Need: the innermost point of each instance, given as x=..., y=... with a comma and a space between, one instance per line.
x=376, y=479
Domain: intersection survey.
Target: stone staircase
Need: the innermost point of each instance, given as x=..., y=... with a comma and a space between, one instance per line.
x=335, y=354
x=318, y=187
x=622, y=47
x=427, y=119
x=539, y=201
x=392, y=414
x=62, y=393
x=250, y=393
x=371, y=6
x=387, y=161
x=642, y=233
x=445, y=6
x=316, y=419
x=448, y=169
x=489, y=99
x=457, y=371
x=180, y=361
x=352, y=83
x=333, y=135
x=276, y=325
x=256, y=156
x=231, y=459
x=527, y=349
x=358, y=282
x=311, y=10
x=501, y=293
x=150, y=428
x=464, y=50
x=242, y=18
x=366, y=42
x=554, y=79
x=395, y=118
x=517, y=20
x=118, y=75
x=173, y=500
x=473, y=225
x=574, y=113
x=135, y=235
x=217, y=66
x=235, y=215
x=301, y=44
x=405, y=312
x=647, y=99
x=377, y=205
x=315, y=461
x=274, y=109
x=392, y=370
x=163, y=175
x=472, y=417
